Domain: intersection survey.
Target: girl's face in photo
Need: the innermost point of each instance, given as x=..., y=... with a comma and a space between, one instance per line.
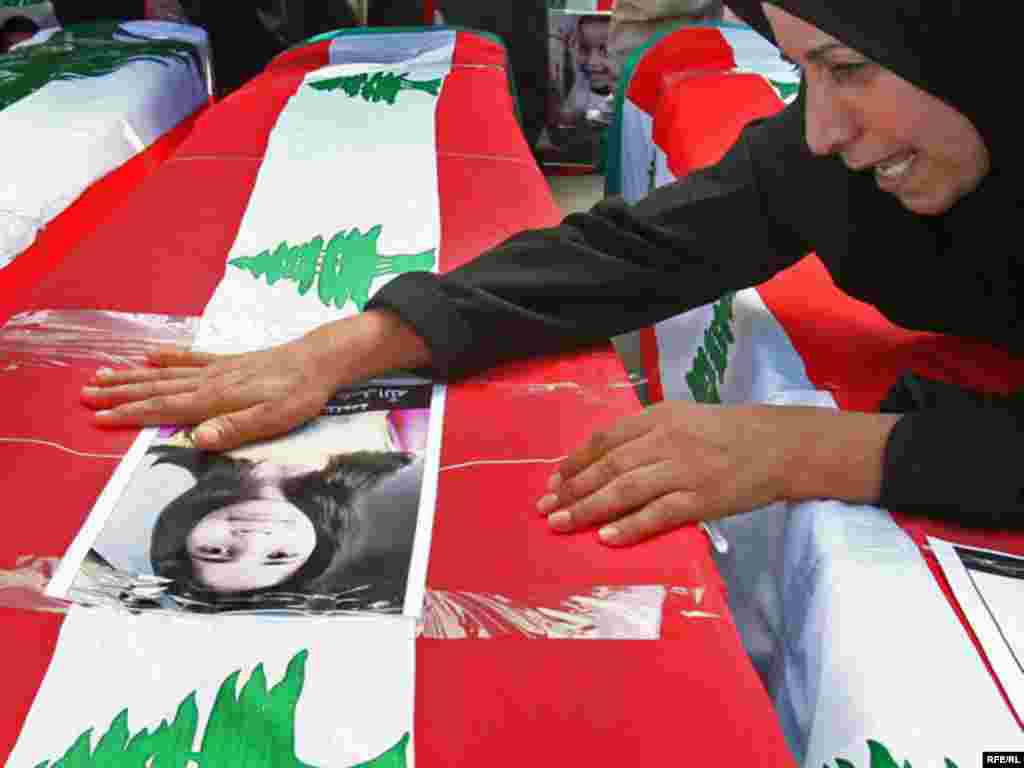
x=252, y=545
x=920, y=148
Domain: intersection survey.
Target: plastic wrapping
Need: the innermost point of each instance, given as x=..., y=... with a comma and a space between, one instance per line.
x=635, y=612
x=62, y=337
x=22, y=587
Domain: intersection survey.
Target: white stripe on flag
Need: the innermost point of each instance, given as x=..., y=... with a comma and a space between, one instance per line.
x=352, y=155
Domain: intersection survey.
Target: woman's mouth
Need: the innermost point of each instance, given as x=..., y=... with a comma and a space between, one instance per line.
x=891, y=172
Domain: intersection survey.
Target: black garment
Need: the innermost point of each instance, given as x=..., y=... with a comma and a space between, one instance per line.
x=241, y=45
x=395, y=13
x=765, y=205
x=523, y=26
x=78, y=11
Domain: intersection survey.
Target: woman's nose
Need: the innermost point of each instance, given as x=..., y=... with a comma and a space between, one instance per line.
x=829, y=123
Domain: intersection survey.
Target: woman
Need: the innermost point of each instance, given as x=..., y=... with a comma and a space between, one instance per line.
x=891, y=166
x=260, y=534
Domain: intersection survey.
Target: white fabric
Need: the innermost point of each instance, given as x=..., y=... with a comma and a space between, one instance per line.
x=834, y=602
x=67, y=135
x=335, y=163
x=356, y=700
x=637, y=151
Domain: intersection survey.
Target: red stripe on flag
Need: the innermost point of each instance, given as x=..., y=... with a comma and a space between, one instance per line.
x=306, y=58
x=701, y=116
x=696, y=49
x=83, y=216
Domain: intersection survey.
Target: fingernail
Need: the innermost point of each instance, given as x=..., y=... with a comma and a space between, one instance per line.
x=609, y=534
x=560, y=521
x=554, y=481
x=204, y=434
x=547, y=503
x=90, y=391
x=102, y=373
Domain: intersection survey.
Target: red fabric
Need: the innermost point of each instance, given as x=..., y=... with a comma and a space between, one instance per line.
x=577, y=703
x=697, y=119
x=29, y=640
x=692, y=49
x=497, y=702
x=84, y=215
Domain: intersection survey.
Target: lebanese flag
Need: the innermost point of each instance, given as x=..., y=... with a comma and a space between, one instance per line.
x=81, y=116
x=638, y=159
x=494, y=700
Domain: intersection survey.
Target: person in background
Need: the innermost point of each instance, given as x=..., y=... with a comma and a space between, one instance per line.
x=70, y=12
x=634, y=21
x=16, y=29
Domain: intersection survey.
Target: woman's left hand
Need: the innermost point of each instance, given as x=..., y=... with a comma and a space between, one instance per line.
x=681, y=462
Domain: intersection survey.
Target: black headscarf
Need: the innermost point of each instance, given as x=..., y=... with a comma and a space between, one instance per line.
x=955, y=273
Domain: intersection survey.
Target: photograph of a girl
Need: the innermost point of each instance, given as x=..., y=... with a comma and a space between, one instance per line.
x=321, y=520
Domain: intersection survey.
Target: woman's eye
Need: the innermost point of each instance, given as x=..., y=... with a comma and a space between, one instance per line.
x=847, y=72
x=278, y=555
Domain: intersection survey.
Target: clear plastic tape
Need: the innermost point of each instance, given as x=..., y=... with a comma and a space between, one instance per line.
x=634, y=612
x=637, y=612
x=63, y=337
x=23, y=586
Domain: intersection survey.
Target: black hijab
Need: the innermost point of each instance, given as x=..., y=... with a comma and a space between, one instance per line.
x=955, y=273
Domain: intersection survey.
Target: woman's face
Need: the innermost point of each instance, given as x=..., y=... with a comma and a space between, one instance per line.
x=921, y=150
x=252, y=545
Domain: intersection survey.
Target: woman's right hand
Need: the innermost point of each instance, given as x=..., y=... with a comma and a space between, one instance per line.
x=236, y=399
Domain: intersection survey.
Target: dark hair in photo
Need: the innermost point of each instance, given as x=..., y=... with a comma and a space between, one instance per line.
x=328, y=497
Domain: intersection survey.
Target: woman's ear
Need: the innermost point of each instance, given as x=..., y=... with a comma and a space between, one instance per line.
x=362, y=470
x=194, y=460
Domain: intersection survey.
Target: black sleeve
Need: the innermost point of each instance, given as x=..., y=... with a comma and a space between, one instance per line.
x=616, y=268
x=955, y=455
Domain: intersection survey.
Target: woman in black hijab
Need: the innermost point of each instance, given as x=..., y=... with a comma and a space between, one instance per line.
x=891, y=166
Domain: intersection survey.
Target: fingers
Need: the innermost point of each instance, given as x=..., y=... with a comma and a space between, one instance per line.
x=113, y=396
x=600, y=444
x=659, y=516
x=625, y=493
x=105, y=377
x=182, y=356
x=259, y=422
x=182, y=408
x=604, y=470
